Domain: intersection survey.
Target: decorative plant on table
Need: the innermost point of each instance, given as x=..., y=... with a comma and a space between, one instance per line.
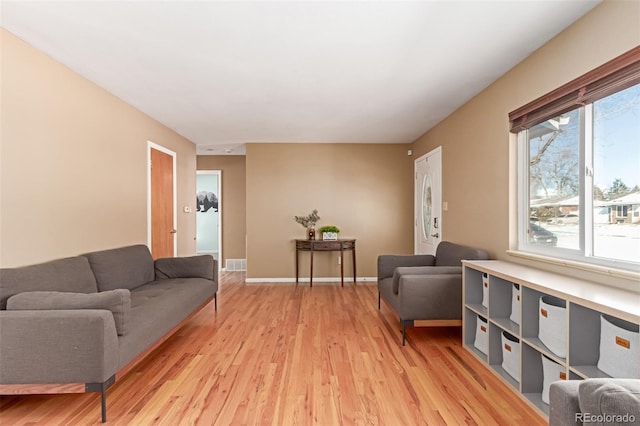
x=329, y=232
x=309, y=222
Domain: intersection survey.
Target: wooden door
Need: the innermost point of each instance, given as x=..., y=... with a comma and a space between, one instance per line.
x=163, y=232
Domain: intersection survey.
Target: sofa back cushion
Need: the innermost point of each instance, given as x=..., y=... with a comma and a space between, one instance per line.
x=72, y=274
x=613, y=397
x=451, y=254
x=125, y=267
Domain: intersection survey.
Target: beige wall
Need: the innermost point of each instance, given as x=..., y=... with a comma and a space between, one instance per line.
x=233, y=206
x=364, y=189
x=74, y=163
x=478, y=152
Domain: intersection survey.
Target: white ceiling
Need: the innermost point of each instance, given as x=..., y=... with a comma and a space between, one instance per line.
x=226, y=73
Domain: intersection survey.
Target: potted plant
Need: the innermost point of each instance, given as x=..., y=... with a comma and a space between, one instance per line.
x=329, y=232
x=309, y=222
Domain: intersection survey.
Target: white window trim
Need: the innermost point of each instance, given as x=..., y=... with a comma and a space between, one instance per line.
x=581, y=258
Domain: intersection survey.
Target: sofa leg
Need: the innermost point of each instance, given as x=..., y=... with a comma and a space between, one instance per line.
x=103, y=405
x=404, y=333
x=215, y=301
x=378, y=300
x=102, y=388
x=405, y=324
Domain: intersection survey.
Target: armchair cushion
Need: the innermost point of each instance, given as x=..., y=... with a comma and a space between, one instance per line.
x=116, y=301
x=387, y=263
x=451, y=254
x=422, y=270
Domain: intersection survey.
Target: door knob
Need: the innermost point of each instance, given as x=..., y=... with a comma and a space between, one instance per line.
x=436, y=235
x=173, y=231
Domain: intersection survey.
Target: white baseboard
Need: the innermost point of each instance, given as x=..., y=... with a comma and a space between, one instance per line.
x=306, y=280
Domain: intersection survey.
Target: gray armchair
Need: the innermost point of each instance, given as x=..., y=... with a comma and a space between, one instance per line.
x=425, y=289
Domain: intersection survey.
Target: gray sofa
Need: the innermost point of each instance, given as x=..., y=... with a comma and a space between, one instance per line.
x=594, y=401
x=76, y=324
x=425, y=289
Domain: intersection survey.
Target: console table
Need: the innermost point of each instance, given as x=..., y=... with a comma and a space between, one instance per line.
x=324, y=245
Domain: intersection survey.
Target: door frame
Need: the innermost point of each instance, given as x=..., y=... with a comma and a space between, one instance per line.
x=417, y=188
x=152, y=145
x=219, y=194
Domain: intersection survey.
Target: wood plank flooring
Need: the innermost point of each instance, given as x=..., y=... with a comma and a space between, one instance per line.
x=281, y=354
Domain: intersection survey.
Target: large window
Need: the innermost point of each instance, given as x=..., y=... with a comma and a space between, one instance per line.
x=579, y=171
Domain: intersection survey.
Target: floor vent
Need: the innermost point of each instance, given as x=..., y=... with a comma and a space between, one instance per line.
x=236, y=265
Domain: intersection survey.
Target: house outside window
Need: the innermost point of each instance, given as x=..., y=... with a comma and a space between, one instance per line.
x=579, y=178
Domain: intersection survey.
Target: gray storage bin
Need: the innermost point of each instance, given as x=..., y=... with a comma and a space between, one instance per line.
x=552, y=326
x=482, y=332
x=511, y=355
x=551, y=372
x=515, y=304
x=485, y=290
x=619, y=356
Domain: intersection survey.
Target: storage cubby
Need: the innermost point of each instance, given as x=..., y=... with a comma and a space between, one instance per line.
x=500, y=305
x=584, y=341
x=576, y=304
x=473, y=295
x=531, y=321
x=470, y=324
x=532, y=377
x=496, y=355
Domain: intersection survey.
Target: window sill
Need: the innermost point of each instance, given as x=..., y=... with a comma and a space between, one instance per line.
x=587, y=267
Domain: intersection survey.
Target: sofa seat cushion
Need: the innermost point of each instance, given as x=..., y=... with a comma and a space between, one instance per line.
x=159, y=306
x=72, y=274
x=125, y=267
x=116, y=301
x=610, y=397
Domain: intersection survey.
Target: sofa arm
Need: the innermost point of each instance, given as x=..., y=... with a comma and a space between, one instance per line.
x=564, y=404
x=57, y=346
x=427, y=297
x=387, y=263
x=203, y=266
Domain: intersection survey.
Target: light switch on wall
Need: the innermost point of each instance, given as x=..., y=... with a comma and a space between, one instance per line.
x=445, y=206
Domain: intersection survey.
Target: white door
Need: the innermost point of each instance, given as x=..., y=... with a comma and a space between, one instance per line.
x=428, y=202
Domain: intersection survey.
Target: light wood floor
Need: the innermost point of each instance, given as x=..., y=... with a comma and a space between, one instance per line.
x=277, y=354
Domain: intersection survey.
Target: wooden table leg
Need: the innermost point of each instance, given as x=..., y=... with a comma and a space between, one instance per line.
x=341, y=266
x=297, y=251
x=311, y=272
x=354, y=264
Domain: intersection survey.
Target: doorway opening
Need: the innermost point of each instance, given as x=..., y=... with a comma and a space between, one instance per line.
x=209, y=213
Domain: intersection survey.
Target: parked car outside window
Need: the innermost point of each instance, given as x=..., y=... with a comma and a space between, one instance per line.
x=539, y=235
